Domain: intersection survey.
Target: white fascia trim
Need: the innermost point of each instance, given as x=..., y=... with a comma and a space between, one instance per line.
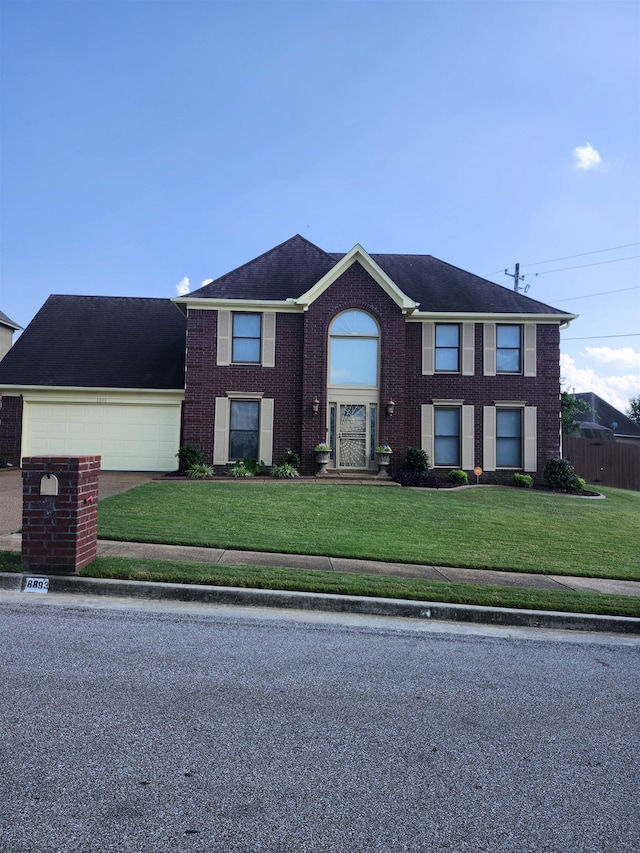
x=32, y=392
x=279, y=305
x=358, y=254
x=479, y=317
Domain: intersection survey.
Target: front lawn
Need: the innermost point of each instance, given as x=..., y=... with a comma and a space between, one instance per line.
x=496, y=528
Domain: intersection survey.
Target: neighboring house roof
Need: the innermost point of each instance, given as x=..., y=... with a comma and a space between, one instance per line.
x=291, y=269
x=602, y=415
x=100, y=342
x=5, y=321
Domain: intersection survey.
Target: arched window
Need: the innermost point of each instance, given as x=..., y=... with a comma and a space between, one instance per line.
x=353, y=350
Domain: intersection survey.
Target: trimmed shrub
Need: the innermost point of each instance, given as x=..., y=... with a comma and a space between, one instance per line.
x=284, y=471
x=559, y=475
x=415, y=478
x=416, y=460
x=523, y=481
x=188, y=456
x=458, y=477
x=200, y=471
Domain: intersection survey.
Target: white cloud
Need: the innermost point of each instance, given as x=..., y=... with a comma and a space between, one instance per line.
x=616, y=390
x=206, y=281
x=183, y=286
x=625, y=356
x=586, y=157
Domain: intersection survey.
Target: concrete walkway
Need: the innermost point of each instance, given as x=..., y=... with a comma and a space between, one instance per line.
x=107, y=548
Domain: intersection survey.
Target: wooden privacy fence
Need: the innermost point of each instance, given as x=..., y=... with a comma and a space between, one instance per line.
x=604, y=463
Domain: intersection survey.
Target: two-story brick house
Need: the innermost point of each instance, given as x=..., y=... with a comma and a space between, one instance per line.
x=300, y=345
x=295, y=347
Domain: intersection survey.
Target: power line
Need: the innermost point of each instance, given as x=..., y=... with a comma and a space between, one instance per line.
x=597, y=337
x=582, y=255
x=601, y=293
x=582, y=266
x=570, y=257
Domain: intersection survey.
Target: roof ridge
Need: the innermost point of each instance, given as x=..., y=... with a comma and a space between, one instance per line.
x=265, y=254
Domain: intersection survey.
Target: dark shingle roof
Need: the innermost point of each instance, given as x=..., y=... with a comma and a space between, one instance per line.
x=100, y=341
x=293, y=267
x=5, y=321
x=603, y=414
x=438, y=286
x=288, y=270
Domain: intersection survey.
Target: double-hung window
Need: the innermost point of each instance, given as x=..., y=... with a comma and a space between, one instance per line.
x=509, y=438
x=508, y=349
x=447, y=347
x=246, y=340
x=244, y=429
x=446, y=437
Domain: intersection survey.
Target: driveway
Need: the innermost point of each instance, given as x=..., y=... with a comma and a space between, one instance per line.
x=110, y=483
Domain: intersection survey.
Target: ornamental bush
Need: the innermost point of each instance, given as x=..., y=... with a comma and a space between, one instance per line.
x=579, y=484
x=284, y=471
x=416, y=478
x=200, y=471
x=254, y=468
x=458, y=477
x=188, y=456
x=239, y=471
x=523, y=481
x=290, y=457
x=416, y=460
x=559, y=475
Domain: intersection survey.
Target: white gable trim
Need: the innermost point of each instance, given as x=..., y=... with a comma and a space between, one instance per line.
x=358, y=254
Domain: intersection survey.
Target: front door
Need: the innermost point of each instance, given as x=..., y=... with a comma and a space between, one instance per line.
x=352, y=436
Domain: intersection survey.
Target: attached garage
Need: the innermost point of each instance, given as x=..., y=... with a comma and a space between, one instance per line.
x=128, y=437
x=96, y=375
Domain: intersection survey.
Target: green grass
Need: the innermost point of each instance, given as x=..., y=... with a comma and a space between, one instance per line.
x=342, y=583
x=496, y=528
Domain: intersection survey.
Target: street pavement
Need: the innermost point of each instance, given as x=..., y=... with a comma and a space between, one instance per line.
x=135, y=729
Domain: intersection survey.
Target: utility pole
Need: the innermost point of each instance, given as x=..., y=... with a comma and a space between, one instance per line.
x=517, y=278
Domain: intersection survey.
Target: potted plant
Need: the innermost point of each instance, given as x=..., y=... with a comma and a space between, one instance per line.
x=322, y=451
x=383, y=456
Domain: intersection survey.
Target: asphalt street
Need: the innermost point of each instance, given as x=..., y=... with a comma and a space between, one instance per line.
x=148, y=728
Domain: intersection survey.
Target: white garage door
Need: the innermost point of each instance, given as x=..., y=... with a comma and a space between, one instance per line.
x=127, y=437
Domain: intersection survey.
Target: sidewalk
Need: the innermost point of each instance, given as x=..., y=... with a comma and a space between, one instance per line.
x=108, y=548
x=431, y=611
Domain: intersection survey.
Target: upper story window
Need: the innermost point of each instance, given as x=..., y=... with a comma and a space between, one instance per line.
x=508, y=349
x=246, y=339
x=353, y=350
x=447, y=347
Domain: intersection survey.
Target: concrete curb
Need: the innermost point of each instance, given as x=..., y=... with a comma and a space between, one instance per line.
x=432, y=611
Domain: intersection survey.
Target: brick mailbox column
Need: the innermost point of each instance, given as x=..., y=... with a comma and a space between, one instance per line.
x=59, y=513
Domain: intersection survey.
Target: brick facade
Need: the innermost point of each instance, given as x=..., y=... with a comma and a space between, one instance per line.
x=59, y=531
x=300, y=374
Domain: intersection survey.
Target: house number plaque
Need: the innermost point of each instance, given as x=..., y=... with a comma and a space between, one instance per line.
x=36, y=585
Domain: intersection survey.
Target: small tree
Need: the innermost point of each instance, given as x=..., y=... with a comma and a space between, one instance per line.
x=633, y=412
x=570, y=409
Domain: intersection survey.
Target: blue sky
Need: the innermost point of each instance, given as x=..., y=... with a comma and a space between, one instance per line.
x=147, y=142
